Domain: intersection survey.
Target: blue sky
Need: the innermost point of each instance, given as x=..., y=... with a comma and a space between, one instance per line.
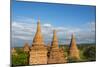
x=65, y=18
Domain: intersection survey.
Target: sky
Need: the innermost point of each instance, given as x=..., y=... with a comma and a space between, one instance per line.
x=65, y=18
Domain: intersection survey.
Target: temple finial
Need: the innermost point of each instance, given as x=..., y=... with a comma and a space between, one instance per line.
x=73, y=35
x=38, y=25
x=38, y=19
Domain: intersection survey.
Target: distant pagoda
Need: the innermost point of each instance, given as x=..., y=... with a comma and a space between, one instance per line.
x=14, y=52
x=56, y=55
x=73, y=50
x=26, y=47
x=38, y=53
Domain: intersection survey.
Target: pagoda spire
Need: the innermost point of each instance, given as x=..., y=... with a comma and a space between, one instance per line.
x=73, y=50
x=73, y=42
x=38, y=35
x=56, y=55
x=54, y=40
x=38, y=25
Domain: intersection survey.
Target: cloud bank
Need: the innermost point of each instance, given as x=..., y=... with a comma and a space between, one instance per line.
x=22, y=32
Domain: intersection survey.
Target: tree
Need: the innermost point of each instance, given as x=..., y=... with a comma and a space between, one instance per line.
x=21, y=59
x=90, y=53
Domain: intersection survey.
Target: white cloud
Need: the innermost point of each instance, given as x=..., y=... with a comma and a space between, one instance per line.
x=22, y=37
x=92, y=26
x=26, y=31
x=47, y=25
x=25, y=19
x=22, y=31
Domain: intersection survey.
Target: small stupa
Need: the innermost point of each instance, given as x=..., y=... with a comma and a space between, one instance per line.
x=73, y=49
x=56, y=55
x=26, y=47
x=14, y=52
x=38, y=53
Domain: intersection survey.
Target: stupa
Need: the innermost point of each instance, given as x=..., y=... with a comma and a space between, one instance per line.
x=73, y=49
x=14, y=52
x=26, y=47
x=56, y=55
x=38, y=53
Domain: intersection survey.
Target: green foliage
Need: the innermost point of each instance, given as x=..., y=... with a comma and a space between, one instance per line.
x=87, y=53
x=20, y=59
x=72, y=60
x=90, y=53
x=82, y=48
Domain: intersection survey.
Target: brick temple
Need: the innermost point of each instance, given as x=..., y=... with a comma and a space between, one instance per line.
x=38, y=53
x=56, y=55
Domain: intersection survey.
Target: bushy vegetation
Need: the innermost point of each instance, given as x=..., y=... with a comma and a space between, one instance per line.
x=87, y=53
x=72, y=60
x=20, y=59
x=90, y=53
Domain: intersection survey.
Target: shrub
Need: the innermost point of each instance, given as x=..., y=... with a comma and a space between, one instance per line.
x=21, y=59
x=90, y=53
